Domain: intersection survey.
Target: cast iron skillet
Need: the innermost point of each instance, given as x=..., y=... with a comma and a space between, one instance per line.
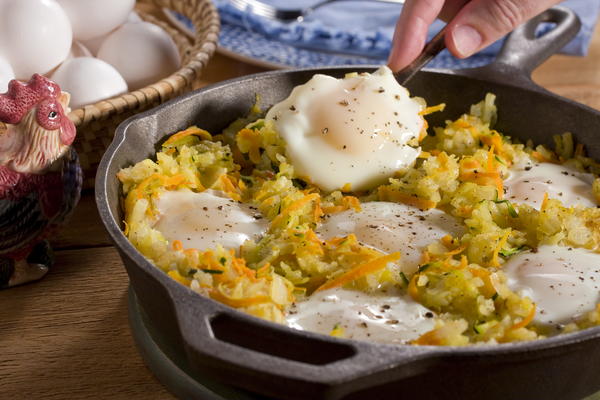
x=274, y=360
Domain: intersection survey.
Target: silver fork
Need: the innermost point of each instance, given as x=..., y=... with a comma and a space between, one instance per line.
x=286, y=15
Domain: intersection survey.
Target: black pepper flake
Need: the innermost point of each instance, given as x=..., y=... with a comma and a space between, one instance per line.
x=528, y=168
x=205, y=208
x=324, y=131
x=428, y=314
x=380, y=90
x=292, y=108
x=343, y=103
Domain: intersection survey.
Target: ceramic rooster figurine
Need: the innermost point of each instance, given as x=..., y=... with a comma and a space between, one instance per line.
x=40, y=176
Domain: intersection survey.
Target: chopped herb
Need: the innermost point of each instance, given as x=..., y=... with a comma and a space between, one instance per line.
x=404, y=278
x=212, y=271
x=299, y=183
x=222, y=260
x=424, y=267
x=192, y=272
x=511, y=210
x=495, y=296
x=512, y=251
x=499, y=160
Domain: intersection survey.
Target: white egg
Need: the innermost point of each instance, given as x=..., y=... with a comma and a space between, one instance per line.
x=78, y=49
x=562, y=282
x=88, y=80
x=6, y=74
x=353, y=130
x=93, y=18
x=391, y=227
x=379, y=317
x=142, y=52
x=134, y=17
x=35, y=35
x=528, y=181
x=203, y=220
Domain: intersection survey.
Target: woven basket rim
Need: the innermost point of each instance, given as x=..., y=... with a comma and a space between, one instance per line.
x=203, y=46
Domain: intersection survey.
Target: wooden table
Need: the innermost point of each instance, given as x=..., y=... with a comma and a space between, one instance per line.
x=67, y=336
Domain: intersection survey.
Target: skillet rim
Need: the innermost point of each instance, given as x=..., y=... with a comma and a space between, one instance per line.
x=175, y=289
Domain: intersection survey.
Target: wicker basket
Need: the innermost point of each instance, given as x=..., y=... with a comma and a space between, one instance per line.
x=96, y=123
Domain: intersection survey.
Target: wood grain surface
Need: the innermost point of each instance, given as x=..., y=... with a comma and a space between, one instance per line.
x=67, y=336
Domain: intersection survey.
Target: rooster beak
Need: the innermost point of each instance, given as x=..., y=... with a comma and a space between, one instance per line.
x=64, y=100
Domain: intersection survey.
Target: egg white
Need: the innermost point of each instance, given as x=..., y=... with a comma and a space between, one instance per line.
x=353, y=130
x=206, y=219
x=391, y=227
x=563, y=282
x=528, y=181
x=379, y=317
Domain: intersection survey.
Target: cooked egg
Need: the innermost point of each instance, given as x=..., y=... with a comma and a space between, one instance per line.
x=204, y=220
x=528, y=181
x=562, y=282
x=391, y=227
x=379, y=317
x=353, y=130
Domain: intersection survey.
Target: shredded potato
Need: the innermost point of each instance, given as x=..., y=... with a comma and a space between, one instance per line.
x=461, y=171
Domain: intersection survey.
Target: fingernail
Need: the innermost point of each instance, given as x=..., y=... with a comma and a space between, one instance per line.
x=466, y=40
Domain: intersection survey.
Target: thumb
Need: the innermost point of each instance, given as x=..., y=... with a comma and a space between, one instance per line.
x=481, y=22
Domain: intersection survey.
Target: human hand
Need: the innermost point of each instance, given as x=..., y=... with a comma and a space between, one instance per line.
x=472, y=25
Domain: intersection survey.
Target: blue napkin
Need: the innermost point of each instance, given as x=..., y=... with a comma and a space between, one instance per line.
x=365, y=28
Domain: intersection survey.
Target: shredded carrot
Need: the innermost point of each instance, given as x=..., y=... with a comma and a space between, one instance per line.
x=177, y=245
x=435, y=152
x=501, y=243
x=360, y=271
x=432, y=109
x=457, y=250
x=494, y=140
x=192, y=130
x=485, y=179
x=385, y=193
x=540, y=157
x=484, y=275
x=295, y=206
x=544, y=202
x=431, y=338
x=262, y=270
x=470, y=163
x=412, y=287
x=177, y=277
x=463, y=262
x=447, y=240
x=461, y=123
x=525, y=320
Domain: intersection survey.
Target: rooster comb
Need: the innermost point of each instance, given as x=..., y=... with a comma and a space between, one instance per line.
x=20, y=97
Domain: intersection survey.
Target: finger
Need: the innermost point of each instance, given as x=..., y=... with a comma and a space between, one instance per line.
x=481, y=22
x=451, y=8
x=411, y=31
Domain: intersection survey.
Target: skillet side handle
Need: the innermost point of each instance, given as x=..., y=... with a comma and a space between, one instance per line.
x=522, y=52
x=246, y=352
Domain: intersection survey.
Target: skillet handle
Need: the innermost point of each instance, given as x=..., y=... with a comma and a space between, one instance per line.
x=523, y=52
x=272, y=359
